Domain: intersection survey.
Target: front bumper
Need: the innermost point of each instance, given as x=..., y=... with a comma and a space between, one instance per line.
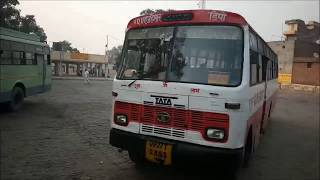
x=181, y=151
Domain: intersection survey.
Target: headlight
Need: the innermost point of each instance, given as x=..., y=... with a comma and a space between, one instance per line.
x=121, y=120
x=217, y=134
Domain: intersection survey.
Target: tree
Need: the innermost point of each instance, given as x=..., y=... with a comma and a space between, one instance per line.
x=10, y=18
x=154, y=11
x=9, y=15
x=63, y=46
x=29, y=25
x=114, y=55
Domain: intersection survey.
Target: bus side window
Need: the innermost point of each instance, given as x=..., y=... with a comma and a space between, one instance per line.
x=49, y=59
x=17, y=57
x=253, y=42
x=29, y=58
x=276, y=67
x=5, y=57
x=269, y=71
x=272, y=69
x=264, y=68
x=254, y=67
x=260, y=79
x=35, y=59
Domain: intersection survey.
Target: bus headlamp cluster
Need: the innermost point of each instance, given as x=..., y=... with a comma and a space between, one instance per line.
x=215, y=134
x=121, y=119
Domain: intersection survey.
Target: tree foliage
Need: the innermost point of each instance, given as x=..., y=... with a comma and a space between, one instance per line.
x=10, y=18
x=29, y=25
x=63, y=46
x=114, y=55
x=154, y=11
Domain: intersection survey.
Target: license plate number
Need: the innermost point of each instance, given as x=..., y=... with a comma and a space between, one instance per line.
x=158, y=152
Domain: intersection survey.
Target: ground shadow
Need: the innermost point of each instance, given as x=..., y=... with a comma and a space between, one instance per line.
x=190, y=171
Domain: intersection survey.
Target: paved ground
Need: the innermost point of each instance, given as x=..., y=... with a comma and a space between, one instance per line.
x=64, y=135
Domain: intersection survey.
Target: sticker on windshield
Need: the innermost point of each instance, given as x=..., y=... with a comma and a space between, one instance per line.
x=218, y=78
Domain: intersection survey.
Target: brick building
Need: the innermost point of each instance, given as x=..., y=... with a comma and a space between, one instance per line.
x=298, y=55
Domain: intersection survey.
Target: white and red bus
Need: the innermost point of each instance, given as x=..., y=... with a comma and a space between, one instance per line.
x=192, y=85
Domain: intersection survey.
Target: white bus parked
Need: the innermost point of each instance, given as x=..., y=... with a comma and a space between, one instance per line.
x=192, y=85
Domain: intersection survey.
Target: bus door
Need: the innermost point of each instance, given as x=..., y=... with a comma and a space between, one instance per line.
x=265, y=76
x=41, y=70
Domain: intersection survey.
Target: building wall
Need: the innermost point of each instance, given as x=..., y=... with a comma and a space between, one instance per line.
x=285, y=52
x=97, y=58
x=60, y=55
x=299, y=30
x=300, y=48
x=306, y=49
x=70, y=63
x=304, y=75
x=82, y=58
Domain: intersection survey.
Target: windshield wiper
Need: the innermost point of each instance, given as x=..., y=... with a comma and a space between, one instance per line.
x=140, y=76
x=129, y=85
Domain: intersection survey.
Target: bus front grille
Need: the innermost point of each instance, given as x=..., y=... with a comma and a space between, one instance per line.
x=178, y=120
x=162, y=131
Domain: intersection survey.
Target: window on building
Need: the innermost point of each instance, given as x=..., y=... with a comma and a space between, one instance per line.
x=309, y=65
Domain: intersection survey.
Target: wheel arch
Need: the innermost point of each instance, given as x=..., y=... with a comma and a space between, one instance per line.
x=249, y=135
x=22, y=86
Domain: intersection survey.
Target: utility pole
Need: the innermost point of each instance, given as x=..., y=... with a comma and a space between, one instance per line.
x=61, y=57
x=106, y=56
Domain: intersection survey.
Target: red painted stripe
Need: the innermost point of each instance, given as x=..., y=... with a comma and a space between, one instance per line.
x=199, y=17
x=179, y=118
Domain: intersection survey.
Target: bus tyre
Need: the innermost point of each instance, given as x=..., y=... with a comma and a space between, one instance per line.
x=16, y=101
x=248, y=150
x=136, y=158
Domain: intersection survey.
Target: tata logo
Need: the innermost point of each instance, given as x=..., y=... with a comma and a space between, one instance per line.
x=163, y=117
x=163, y=101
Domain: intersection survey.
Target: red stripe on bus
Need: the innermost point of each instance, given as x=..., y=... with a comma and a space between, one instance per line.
x=178, y=118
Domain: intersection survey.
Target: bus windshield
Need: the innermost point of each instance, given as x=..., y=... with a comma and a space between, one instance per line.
x=192, y=54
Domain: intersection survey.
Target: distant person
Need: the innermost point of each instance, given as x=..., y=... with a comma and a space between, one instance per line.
x=86, y=76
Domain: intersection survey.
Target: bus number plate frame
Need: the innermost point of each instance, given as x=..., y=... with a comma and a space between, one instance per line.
x=157, y=152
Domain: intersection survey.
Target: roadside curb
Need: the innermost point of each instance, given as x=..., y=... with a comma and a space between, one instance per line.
x=301, y=87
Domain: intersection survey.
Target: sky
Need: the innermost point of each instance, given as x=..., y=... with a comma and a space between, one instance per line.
x=86, y=24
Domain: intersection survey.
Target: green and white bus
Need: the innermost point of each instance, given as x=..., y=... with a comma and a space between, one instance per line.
x=25, y=68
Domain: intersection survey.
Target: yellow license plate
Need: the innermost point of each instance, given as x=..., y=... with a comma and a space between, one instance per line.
x=158, y=152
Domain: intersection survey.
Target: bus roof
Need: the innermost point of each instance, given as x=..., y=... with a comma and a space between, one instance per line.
x=186, y=17
x=17, y=36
